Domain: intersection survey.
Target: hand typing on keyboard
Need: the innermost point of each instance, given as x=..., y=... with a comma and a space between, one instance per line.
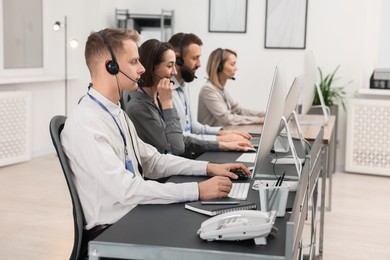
x=220, y=185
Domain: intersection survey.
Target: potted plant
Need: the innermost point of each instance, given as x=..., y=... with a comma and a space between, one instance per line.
x=332, y=95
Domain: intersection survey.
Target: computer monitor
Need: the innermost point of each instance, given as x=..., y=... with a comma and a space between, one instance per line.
x=272, y=120
x=282, y=144
x=309, y=88
x=292, y=97
x=289, y=110
x=292, y=101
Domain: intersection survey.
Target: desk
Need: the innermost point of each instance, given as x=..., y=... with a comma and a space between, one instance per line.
x=145, y=233
x=169, y=231
x=310, y=133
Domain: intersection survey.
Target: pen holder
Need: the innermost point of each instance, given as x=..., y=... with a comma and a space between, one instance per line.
x=273, y=197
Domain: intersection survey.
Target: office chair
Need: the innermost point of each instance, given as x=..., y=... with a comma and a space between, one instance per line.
x=81, y=235
x=125, y=98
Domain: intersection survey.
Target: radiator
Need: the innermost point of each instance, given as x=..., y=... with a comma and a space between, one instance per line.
x=368, y=136
x=15, y=127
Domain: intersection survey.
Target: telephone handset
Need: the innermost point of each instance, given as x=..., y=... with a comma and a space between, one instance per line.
x=239, y=225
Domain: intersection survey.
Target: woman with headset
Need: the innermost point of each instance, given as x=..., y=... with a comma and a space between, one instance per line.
x=151, y=110
x=216, y=107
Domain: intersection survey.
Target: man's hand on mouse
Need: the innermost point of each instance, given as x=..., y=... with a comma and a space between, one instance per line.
x=227, y=170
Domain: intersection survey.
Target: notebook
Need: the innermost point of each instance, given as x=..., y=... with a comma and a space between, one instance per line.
x=216, y=209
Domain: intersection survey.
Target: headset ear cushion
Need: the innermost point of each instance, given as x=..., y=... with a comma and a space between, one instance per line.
x=179, y=61
x=220, y=67
x=112, y=67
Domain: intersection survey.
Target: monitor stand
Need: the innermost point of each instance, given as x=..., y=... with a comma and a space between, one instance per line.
x=294, y=159
x=325, y=111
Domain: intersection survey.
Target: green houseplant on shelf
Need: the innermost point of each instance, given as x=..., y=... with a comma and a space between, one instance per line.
x=332, y=95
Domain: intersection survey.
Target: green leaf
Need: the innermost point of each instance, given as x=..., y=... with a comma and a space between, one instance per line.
x=332, y=95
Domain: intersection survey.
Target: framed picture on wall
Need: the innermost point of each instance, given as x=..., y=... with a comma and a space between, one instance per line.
x=285, y=24
x=228, y=16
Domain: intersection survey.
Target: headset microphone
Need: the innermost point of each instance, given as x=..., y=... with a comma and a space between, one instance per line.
x=139, y=82
x=158, y=76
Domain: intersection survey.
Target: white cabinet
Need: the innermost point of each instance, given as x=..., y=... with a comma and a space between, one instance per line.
x=15, y=126
x=368, y=135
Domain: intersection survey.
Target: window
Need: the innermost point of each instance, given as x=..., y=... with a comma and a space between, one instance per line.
x=22, y=34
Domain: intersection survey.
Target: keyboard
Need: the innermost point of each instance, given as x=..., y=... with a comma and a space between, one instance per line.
x=247, y=157
x=239, y=190
x=287, y=160
x=255, y=141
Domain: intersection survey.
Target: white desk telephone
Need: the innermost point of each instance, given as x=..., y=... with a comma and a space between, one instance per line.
x=239, y=225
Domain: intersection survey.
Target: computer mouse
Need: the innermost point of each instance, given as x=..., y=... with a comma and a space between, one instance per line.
x=241, y=175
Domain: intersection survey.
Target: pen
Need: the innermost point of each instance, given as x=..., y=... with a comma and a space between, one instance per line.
x=281, y=180
x=277, y=182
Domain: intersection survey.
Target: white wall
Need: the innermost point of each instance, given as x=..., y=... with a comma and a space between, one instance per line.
x=384, y=43
x=346, y=32
x=48, y=96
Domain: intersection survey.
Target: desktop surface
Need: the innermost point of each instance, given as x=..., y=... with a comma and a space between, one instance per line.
x=267, y=170
x=254, y=130
x=222, y=157
x=309, y=131
x=170, y=231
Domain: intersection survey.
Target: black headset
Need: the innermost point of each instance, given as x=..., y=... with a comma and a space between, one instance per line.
x=220, y=65
x=179, y=60
x=111, y=65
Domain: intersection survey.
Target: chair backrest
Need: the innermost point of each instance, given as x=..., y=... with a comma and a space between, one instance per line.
x=56, y=125
x=125, y=99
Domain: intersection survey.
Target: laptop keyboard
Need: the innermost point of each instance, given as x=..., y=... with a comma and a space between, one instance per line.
x=239, y=190
x=247, y=157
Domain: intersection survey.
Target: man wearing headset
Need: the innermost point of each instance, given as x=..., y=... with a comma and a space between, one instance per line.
x=188, y=49
x=108, y=159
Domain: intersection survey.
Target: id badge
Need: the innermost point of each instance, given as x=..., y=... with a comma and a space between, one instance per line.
x=129, y=166
x=188, y=129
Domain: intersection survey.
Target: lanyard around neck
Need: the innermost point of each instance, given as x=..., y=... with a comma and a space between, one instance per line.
x=183, y=96
x=108, y=111
x=140, y=170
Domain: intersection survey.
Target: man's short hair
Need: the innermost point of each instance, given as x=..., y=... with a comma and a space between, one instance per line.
x=96, y=49
x=180, y=41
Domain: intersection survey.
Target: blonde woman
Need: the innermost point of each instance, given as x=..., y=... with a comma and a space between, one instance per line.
x=216, y=107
